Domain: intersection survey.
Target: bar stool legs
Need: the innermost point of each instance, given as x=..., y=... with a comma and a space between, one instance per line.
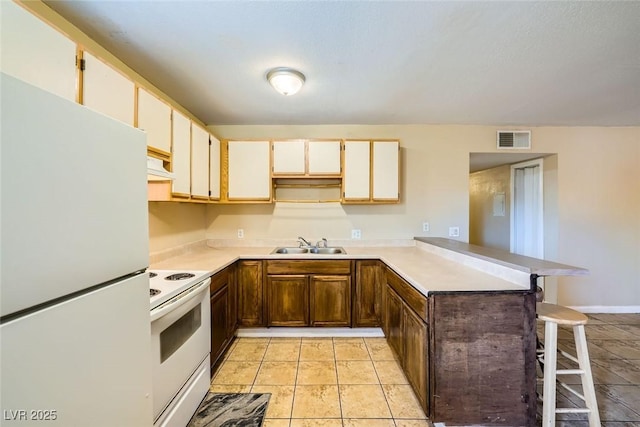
x=554, y=315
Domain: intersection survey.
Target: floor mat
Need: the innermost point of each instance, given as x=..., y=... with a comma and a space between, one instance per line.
x=231, y=410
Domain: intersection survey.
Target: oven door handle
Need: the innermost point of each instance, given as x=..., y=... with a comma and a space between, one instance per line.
x=177, y=301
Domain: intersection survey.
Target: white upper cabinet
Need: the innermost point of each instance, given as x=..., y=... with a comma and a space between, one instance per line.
x=106, y=90
x=371, y=172
x=386, y=173
x=289, y=157
x=35, y=52
x=324, y=157
x=154, y=117
x=214, y=168
x=181, y=159
x=249, y=174
x=306, y=158
x=357, y=171
x=199, y=162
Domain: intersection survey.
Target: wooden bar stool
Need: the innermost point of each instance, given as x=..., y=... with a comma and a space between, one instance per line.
x=554, y=315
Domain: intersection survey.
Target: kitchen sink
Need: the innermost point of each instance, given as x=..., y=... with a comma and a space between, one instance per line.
x=294, y=250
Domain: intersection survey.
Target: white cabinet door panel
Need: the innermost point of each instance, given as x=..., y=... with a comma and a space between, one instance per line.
x=324, y=157
x=181, y=157
x=199, y=161
x=107, y=91
x=385, y=175
x=214, y=168
x=154, y=117
x=36, y=53
x=249, y=170
x=288, y=157
x=355, y=184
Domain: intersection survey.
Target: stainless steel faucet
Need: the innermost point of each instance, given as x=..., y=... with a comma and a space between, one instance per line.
x=322, y=243
x=304, y=242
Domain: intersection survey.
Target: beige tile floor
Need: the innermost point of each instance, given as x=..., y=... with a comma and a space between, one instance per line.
x=614, y=350
x=322, y=382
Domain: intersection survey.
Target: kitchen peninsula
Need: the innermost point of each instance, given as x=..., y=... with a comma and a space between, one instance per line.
x=460, y=318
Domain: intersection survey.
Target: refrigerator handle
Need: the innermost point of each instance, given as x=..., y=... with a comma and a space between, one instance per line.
x=177, y=301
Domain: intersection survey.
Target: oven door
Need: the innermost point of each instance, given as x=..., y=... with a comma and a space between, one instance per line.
x=180, y=340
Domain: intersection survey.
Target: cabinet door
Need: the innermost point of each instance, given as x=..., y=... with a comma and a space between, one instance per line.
x=368, y=291
x=154, y=117
x=249, y=171
x=324, y=158
x=181, y=156
x=288, y=300
x=249, y=278
x=199, y=162
x=219, y=323
x=232, y=323
x=289, y=157
x=106, y=90
x=385, y=175
x=214, y=168
x=330, y=300
x=393, y=319
x=415, y=359
x=357, y=167
x=37, y=53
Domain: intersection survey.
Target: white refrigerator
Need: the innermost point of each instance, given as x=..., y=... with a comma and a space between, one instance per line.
x=74, y=297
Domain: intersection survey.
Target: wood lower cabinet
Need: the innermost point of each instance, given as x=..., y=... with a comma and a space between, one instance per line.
x=369, y=278
x=250, y=293
x=330, y=300
x=415, y=357
x=288, y=300
x=219, y=323
x=393, y=321
x=407, y=333
x=308, y=292
x=223, y=313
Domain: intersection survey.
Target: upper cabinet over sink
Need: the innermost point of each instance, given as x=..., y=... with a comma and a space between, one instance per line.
x=307, y=158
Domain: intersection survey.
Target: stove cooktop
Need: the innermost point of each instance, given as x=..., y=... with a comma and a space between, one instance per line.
x=165, y=284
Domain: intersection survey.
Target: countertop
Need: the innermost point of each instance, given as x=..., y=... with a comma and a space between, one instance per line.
x=428, y=267
x=522, y=263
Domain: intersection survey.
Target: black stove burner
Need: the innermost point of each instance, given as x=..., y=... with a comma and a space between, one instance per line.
x=153, y=292
x=180, y=276
x=152, y=274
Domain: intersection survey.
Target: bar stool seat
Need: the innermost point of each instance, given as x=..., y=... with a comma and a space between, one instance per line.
x=554, y=315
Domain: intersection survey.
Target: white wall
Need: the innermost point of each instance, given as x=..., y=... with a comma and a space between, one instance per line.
x=597, y=225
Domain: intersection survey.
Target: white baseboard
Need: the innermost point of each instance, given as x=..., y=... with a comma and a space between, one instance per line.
x=606, y=308
x=309, y=332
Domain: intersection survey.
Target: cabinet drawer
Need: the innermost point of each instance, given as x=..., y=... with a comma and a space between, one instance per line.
x=218, y=281
x=409, y=294
x=311, y=266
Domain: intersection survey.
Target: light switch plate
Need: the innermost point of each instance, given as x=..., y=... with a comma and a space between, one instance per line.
x=454, y=231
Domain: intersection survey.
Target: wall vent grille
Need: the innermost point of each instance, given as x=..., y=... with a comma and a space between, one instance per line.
x=514, y=139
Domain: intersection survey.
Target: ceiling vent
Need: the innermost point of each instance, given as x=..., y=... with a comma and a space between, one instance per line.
x=514, y=139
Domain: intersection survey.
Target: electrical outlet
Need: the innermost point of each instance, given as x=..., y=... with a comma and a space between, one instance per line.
x=425, y=226
x=356, y=234
x=454, y=231
x=240, y=233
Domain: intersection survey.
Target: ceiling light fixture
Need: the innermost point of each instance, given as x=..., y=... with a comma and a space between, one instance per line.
x=286, y=80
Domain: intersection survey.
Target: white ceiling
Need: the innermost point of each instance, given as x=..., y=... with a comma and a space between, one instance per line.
x=389, y=62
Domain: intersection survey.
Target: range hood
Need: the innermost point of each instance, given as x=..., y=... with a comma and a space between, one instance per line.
x=156, y=170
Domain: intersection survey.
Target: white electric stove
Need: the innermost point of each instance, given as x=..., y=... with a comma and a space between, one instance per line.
x=180, y=344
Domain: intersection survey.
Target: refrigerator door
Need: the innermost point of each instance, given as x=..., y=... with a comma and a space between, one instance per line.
x=84, y=362
x=74, y=197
